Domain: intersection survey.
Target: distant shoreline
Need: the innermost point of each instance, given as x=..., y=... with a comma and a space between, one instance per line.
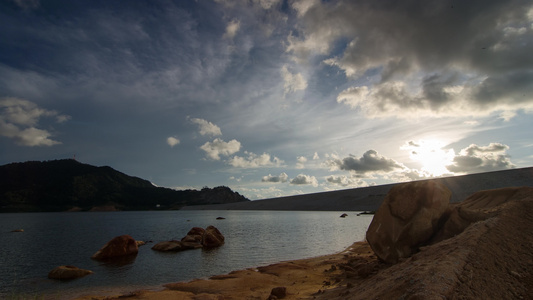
x=370, y=198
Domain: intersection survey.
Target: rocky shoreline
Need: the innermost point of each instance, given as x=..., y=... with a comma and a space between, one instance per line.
x=490, y=258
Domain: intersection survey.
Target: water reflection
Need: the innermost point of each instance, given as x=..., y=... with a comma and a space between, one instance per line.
x=120, y=262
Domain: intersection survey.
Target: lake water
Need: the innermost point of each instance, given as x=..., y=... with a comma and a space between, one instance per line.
x=253, y=238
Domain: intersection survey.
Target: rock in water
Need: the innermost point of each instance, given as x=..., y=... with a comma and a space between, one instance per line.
x=68, y=272
x=118, y=246
x=212, y=237
x=175, y=246
x=407, y=218
x=195, y=235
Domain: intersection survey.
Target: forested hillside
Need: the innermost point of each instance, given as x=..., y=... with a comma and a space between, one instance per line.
x=66, y=184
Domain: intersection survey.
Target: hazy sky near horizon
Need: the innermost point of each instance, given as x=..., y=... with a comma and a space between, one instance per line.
x=269, y=97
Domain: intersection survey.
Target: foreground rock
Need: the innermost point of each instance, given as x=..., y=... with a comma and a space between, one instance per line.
x=119, y=246
x=68, y=273
x=196, y=238
x=478, y=207
x=408, y=217
x=489, y=259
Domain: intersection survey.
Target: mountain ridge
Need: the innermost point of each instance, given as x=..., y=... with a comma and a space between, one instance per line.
x=66, y=184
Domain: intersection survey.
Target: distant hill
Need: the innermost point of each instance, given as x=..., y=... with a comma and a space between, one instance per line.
x=370, y=198
x=67, y=184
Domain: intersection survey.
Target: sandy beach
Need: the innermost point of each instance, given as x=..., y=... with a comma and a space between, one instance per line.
x=303, y=279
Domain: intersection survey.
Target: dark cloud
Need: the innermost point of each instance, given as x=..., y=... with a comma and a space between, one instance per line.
x=432, y=57
x=370, y=162
x=476, y=159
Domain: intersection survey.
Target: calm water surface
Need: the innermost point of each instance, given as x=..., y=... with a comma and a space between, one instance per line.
x=253, y=238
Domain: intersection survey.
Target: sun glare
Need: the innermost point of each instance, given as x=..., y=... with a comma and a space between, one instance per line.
x=431, y=155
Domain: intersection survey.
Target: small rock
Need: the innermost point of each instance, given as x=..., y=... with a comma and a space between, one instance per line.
x=119, y=246
x=279, y=292
x=221, y=218
x=212, y=237
x=344, y=215
x=68, y=272
x=140, y=243
x=18, y=230
x=196, y=238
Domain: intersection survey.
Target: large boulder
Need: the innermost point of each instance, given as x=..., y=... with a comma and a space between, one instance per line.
x=68, y=272
x=408, y=217
x=212, y=237
x=119, y=246
x=478, y=207
x=196, y=238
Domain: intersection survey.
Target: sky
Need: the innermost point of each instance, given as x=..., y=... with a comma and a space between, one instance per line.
x=269, y=97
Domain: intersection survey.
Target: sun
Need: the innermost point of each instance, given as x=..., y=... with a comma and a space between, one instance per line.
x=431, y=155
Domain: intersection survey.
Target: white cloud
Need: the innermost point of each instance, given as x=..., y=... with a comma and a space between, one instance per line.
x=218, y=147
x=316, y=156
x=260, y=193
x=301, y=160
x=206, y=127
x=477, y=159
x=345, y=181
x=293, y=82
x=172, y=141
x=19, y=118
x=302, y=6
x=304, y=179
x=267, y=4
x=253, y=160
x=231, y=29
x=283, y=177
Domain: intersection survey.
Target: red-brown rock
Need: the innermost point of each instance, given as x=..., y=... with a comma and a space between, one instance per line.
x=195, y=235
x=196, y=238
x=212, y=237
x=407, y=218
x=68, y=272
x=118, y=246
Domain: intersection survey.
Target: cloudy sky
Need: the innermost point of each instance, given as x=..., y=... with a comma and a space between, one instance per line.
x=269, y=97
